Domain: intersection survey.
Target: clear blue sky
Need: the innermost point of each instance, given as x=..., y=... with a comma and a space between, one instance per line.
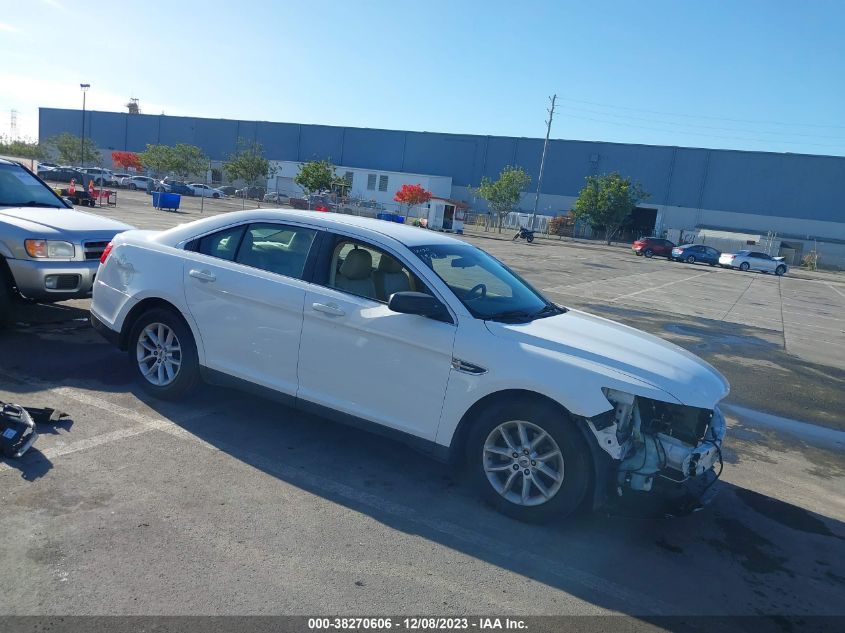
x=763, y=75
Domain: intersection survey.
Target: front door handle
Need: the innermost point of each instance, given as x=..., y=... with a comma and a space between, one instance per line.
x=202, y=275
x=330, y=308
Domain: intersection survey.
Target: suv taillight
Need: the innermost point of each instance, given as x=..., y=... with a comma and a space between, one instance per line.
x=106, y=253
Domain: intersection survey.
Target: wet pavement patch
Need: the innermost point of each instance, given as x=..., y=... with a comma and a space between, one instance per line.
x=784, y=513
x=754, y=552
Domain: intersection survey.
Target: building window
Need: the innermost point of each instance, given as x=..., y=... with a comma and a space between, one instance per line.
x=382, y=183
x=371, y=182
x=348, y=178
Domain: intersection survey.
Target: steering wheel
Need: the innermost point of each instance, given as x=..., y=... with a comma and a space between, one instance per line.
x=478, y=291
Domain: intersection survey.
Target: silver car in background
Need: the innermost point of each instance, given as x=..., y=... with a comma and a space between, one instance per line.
x=754, y=260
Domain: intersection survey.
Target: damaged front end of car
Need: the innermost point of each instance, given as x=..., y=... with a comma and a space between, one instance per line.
x=652, y=443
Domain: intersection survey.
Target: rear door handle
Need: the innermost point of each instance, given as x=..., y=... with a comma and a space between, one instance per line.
x=202, y=275
x=330, y=308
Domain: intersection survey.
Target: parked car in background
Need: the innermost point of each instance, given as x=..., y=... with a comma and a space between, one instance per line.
x=692, y=253
x=50, y=165
x=65, y=174
x=754, y=260
x=120, y=178
x=277, y=197
x=228, y=190
x=204, y=191
x=551, y=409
x=177, y=186
x=651, y=246
x=253, y=193
x=137, y=182
x=48, y=250
x=101, y=176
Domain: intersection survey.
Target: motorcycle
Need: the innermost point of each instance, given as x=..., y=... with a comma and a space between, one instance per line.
x=525, y=234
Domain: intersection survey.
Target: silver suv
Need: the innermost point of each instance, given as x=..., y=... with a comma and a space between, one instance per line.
x=48, y=251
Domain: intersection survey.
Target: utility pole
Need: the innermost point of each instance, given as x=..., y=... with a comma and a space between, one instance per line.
x=551, y=112
x=84, y=88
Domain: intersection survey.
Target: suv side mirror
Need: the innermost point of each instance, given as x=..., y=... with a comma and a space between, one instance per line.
x=419, y=303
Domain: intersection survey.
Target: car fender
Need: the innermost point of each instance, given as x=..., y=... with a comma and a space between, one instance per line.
x=137, y=272
x=487, y=367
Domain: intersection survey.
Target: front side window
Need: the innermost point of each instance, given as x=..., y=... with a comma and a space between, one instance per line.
x=19, y=188
x=366, y=271
x=488, y=288
x=276, y=248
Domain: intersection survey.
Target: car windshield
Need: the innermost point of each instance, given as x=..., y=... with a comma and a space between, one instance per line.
x=19, y=188
x=488, y=288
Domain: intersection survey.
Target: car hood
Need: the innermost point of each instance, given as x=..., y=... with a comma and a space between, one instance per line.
x=42, y=221
x=648, y=358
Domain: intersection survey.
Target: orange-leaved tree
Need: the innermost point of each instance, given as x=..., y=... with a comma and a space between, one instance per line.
x=412, y=195
x=126, y=160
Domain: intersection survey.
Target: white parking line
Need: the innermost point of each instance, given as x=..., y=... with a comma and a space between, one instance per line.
x=836, y=290
x=668, y=283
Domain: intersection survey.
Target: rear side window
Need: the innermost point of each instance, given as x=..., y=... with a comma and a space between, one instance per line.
x=223, y=244
x=277, y=248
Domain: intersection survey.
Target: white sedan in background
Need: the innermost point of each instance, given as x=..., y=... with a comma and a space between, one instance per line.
x=205, y=191
x=419, y=336
x=754, y=260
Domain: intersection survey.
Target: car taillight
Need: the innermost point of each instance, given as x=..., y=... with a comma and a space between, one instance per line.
x=106, y=253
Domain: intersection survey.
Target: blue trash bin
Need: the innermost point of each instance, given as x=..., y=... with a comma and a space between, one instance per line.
x=156, y=199
x=166, y=201
x=385, y=216
x=399, y=218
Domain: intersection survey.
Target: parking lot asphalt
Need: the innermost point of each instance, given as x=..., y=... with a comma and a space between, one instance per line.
x=229, y=504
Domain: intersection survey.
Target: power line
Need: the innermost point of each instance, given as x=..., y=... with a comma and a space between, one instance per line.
x=703, y=116
x=733, y=138
x=706, y=127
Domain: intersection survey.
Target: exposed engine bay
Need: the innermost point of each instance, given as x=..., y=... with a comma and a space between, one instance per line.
x=651, y=439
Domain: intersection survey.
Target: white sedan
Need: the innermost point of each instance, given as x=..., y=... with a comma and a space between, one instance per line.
x=754, y=260
x=420, y=336
x=205, y=191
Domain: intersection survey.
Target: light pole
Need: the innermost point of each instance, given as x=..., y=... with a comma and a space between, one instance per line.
x=84, y=88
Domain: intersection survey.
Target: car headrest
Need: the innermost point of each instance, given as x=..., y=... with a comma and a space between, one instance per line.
x=388, y=264
x=357, y=265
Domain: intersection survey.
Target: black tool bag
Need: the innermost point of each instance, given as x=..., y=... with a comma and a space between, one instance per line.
x=17, y=430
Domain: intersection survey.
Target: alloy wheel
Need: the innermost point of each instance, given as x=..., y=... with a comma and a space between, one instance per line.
x=159, y=354
x=523, y=463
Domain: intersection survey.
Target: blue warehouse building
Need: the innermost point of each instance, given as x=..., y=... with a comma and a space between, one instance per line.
x=794, y=196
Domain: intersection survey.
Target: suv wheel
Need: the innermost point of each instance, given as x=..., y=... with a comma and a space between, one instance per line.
x=164, y=355
x=7, y=300
x=528, y=460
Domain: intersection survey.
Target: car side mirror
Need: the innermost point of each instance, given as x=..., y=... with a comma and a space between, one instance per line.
x=419, y=303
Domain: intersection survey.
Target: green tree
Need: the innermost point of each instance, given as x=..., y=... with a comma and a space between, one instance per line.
x=503, y=194
x=71, y=151
x=606, y=200
x=187, y=160
x=23, y=148
x=316, y=175
x=249, y=164
x=157, y=158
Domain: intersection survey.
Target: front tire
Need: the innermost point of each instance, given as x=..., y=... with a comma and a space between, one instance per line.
x=780, y=271
x=649, y=253
x=132, y=186
x=550, y=474
x=163, y=354
x=216, y=195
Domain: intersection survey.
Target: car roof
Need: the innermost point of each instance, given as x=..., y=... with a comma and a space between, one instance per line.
x=404, y=233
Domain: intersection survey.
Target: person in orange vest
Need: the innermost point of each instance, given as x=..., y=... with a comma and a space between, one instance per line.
x=72, y=188
x=91, y=190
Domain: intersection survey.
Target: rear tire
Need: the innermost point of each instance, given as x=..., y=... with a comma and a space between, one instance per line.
x=155, y=377
x=690, y=259
x=744, y=266
x=491, y=463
